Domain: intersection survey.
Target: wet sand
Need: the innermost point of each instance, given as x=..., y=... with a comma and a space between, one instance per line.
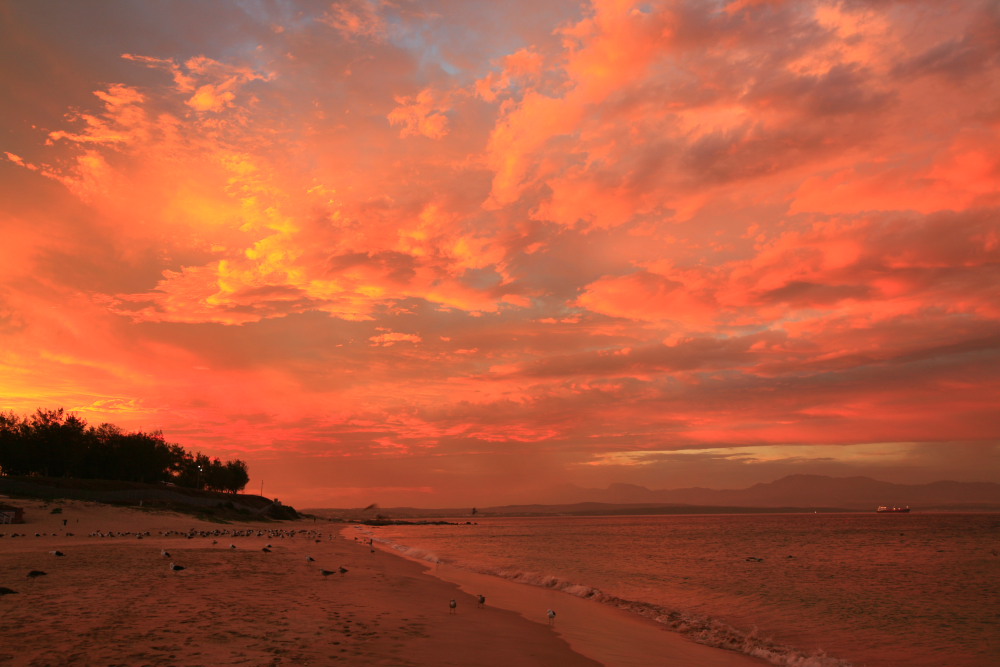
x=611, y=636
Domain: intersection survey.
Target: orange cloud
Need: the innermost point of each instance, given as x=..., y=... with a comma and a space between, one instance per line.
x=420, y=115
x=358, y=244
x=355, y=18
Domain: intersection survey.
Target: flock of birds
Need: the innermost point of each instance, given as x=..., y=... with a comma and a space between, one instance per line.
x=481, y=603
x=273, y=534
x=317, y=537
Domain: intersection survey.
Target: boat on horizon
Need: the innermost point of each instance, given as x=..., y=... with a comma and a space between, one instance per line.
x=885, y=509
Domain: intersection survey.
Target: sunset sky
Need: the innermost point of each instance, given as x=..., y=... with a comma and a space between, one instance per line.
x=458, y=252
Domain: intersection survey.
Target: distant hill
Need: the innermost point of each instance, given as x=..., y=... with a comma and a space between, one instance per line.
x=806, y=491
x=801, y=493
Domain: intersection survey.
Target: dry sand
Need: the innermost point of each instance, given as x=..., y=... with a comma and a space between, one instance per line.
x=112, y=600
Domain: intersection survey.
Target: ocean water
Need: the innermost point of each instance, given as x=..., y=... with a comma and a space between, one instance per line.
x=809, y=590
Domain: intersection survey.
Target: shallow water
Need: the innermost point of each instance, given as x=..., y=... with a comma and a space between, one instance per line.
x=830, y=589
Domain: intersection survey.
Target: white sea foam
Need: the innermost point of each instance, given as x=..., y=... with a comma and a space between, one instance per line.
x=704, y=630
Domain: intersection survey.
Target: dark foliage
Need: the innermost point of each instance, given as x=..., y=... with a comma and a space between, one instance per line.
x=52, y=443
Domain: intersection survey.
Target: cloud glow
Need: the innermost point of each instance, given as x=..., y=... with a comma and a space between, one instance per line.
x=445, y=252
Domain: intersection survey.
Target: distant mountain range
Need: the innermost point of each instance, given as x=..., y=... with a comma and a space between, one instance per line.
x=803, y=491
x=792, y=493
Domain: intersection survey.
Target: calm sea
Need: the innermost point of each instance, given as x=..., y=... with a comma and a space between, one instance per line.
x=816, y=590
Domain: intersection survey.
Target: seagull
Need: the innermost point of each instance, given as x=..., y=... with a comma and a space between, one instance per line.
x=481, y=601
x=452, y=605
x=34, y=574
x=176, y=568
x=57, y=553
x=232, y=546
x=164, y=553
x=266, y=550
x=326, y=573
x=343, y=570
x=552, y=616
x=310, y=559
x=6, y=591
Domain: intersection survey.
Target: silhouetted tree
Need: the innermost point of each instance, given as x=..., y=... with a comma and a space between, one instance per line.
x=215, y=475
x=15, y=457
x=57, y=444
x=56, y=441
x=237, y=476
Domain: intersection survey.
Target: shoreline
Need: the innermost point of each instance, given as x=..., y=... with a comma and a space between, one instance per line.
x=603, y=633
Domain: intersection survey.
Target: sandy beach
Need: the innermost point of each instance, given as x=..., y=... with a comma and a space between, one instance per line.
x=112, y=599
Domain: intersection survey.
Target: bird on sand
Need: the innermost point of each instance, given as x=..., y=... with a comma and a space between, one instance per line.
x=164, y=553
x=310, y=559
x=480, y=601
x=266, y=550
x=452, y=606
x=552, y=616
x=57, y=553
x=6, y=591
x=176, y=568
x=326, y=573
x=34, y=574
x=343, y=570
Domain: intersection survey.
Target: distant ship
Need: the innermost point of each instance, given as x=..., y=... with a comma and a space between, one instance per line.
x=886, y=508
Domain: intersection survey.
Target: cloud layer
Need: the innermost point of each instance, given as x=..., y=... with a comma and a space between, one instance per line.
x=461, y=252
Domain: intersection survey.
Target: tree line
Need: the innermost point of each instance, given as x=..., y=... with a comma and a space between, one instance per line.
x=53, y=443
